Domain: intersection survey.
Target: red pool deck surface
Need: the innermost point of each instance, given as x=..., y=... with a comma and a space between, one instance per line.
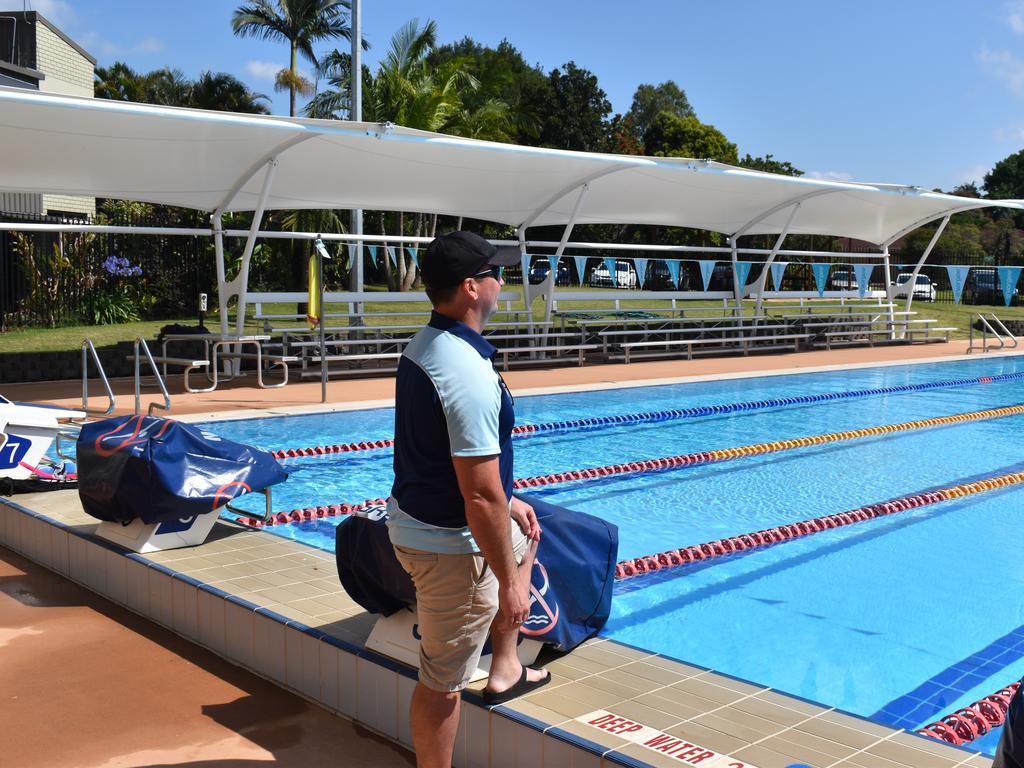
x=242, y=394
x=87, y=684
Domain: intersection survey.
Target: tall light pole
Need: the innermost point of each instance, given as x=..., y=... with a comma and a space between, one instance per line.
x=356, y=113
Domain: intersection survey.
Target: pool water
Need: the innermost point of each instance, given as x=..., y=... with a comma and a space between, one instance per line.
x=901, y=619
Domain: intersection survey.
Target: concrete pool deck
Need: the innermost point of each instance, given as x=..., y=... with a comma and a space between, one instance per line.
x=275, y=607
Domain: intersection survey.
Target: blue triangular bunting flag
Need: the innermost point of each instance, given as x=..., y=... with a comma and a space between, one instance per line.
x=863, y=274
x=742, y=272
x=641, y=270
x=1008, y=277
x=673, y=270
x=957, y=280
x=391, y=255
x=581, y=267
x=553, y=261
x=373, y=253
x=778, y=270
x=707, y=268
x=820, y=276
x=413, y=256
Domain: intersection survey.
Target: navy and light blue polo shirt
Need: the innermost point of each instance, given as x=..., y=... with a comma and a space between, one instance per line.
x=449, y=401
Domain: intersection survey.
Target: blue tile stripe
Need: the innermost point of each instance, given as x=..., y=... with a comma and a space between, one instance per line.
x=936, y=695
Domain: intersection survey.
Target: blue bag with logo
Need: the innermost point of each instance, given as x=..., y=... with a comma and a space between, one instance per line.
x=158, y=469
x=573, y=575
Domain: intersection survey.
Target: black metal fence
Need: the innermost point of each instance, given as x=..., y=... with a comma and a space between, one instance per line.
x=53, y=279
x=50, y=279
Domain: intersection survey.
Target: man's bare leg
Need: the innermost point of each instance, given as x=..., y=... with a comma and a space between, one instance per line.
x=434, y=722
x=505, y=666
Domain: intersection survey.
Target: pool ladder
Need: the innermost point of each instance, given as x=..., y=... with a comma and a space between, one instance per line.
x=139, y=346
x=991, y=326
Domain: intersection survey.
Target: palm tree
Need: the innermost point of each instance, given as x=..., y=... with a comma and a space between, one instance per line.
x=300, y=23
x=119, y=82
x=219, y=90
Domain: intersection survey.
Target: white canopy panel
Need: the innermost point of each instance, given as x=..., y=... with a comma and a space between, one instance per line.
x=210, y=160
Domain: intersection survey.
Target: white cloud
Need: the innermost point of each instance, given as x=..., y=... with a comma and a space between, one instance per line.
x=972, y=173
x=58, y=11
x=1004, y=66
x=1015, y=16
x=148, y=45
x=262, y=70
x=829, y=175
x=100, y=46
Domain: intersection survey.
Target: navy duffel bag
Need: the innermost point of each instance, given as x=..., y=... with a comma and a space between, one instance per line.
x=158, y=469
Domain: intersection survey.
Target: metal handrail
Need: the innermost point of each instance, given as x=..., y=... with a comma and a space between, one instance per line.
x=994, y=326
x=140, y=343
x=89, y=348
x=268, y=512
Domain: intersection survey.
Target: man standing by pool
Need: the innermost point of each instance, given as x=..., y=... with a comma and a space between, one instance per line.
x=467, y=544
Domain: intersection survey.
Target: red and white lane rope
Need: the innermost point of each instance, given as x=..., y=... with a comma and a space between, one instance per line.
x=973, y=721
x=675, y=558
x=682, y=460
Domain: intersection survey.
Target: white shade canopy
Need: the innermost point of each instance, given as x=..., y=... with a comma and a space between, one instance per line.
x=214, y=160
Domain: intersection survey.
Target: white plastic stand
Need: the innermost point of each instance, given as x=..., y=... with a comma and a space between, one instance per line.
x=396, y=637
x=153, y=537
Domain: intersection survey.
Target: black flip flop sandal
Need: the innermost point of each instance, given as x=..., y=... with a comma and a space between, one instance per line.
x=521, y=688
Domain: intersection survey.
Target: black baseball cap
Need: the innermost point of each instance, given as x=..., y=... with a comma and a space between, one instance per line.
x=453, y=257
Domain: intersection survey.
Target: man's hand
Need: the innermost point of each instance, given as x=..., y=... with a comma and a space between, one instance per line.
x=526, y=519
x=514, y=604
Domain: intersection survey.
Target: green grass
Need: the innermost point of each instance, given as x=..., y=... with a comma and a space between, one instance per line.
x=70, y=337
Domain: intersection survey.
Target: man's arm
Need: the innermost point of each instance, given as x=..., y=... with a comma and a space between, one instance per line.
x=488, y=518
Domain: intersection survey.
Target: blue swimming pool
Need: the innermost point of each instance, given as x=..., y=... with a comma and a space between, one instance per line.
x=901, y=619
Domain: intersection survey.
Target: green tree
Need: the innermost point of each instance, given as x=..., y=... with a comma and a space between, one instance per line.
x=651, y=100
x=119, y=82
x=221, y=91
x=769, y=164
x=575, y=111
x=300, y=23
x=503, y=76
x=674, y=136
x=1006, y=179
x=171, y=88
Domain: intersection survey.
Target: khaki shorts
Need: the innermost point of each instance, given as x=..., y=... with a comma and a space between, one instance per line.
x=456, y=601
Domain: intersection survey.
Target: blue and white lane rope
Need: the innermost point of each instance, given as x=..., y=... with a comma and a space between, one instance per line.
x=596, y=422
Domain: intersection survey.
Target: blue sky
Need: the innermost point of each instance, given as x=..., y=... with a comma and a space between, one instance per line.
x=916, y=92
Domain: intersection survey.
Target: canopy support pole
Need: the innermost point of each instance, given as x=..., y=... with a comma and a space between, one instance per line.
x=887, y=268
x=239, y=285
x=763, y=279
x=736, y=287
x=912, y=282
x=217, y=223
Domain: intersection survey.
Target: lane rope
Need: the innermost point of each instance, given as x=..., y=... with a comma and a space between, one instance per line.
x=671, y=414
x=758, y=449
x=672, y=462
x=675, y=558
x=973, y=721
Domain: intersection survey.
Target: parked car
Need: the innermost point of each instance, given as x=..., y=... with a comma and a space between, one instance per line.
x=658, y=277
x=842, y=279
x=983, y=287
x=542, y=268
x=924, y=289
x=625, y=276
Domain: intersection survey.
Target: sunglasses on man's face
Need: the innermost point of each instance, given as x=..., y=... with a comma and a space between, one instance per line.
x=494, y=272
